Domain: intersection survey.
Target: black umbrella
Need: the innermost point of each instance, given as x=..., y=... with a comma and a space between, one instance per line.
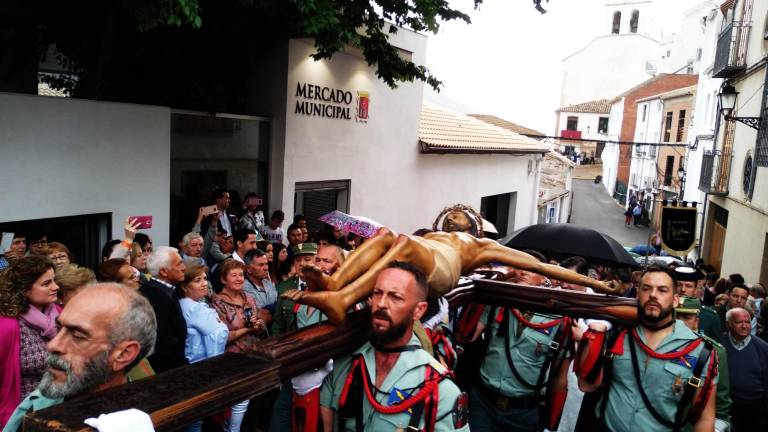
x=564, y=240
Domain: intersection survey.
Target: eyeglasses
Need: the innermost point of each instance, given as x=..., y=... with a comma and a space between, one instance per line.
x=60, y=257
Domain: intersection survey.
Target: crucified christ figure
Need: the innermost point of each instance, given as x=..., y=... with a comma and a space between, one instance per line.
x=442, y=256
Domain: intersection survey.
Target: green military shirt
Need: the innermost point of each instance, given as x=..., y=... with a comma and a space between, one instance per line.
x=284, y=320
x=529, y=349
x=406, y=375
x=35, y=401
x=723, y=395
x=304, y=318
x=663, y=380
x=709, y=323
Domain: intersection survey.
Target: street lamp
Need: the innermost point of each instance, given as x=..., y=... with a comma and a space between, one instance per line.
x=681, y=176
x=727, y=97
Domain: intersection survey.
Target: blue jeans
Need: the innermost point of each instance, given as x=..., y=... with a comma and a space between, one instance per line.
x=236, y=418
x=193, y=427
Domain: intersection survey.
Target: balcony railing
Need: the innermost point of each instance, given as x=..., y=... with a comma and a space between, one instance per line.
x=572, y=134
x=731, y=46
x=715, y=172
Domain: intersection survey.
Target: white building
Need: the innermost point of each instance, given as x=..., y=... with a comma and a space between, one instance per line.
x=329, y=135
x=643, y=171
x=555, y=179
x=624, y=55
x=682, y=51
x=734, y=174
x=581, y=125
x=701, y=136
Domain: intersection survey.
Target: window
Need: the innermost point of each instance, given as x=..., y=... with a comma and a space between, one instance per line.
x=572, y=124
x=668, y=126
x=746, y=179
x=668, y=168
x=616, y=22
x=645, y=111
x=602, y=125
x=639, y=150
x=698, y=54
x=680, y=126
x=633, y=21
x=500, y=211
x=669, y=52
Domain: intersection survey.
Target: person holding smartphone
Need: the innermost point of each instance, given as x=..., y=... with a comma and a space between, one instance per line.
x=239, y=312
x=253, y=216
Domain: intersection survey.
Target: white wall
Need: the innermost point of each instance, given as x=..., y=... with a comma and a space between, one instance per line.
x=588, y=123
x=391, y=181
x=606, y=67
x=610, y=155
x=66, y=157
x=649, y=130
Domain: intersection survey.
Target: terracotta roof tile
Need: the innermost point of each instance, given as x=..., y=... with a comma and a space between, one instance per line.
x=600, y=106
x=508, y=125
x=685, y=91
x=443, y=131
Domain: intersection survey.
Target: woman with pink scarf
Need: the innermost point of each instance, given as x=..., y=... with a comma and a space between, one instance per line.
x=28, y=312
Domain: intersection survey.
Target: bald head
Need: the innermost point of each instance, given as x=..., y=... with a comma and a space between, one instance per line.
x=739, y=323
x=105, y=330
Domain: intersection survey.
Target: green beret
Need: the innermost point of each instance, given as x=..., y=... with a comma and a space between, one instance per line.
x=304, y=249
x=688, y=305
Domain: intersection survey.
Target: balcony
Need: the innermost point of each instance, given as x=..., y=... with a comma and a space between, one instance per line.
x=572, y=134
x=731, y=46
x=715, y=172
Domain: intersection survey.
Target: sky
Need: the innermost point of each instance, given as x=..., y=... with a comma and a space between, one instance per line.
x=508, y=61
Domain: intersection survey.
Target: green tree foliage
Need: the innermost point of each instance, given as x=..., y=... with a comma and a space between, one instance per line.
x=198, y=54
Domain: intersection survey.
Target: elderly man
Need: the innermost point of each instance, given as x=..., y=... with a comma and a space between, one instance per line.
x=329, y=258
x=748, y=361
x=106, y=329
x=257, y=281
x=411, y=390
x=192, y=248
x=167, y=270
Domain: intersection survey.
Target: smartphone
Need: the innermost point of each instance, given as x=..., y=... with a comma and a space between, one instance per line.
x=211, y=209
x=6, y=242
x=144, y=222
x=247, y=315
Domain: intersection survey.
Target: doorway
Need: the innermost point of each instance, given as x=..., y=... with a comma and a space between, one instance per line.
x=83, y=235
x=314, y=199
x=500, y=211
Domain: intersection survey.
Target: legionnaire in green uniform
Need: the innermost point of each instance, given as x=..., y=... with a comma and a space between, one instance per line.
x=391, y=383
x=656, y=376
x=688, y=279
x=526, y=355
x=289, y=315
x=688, y=313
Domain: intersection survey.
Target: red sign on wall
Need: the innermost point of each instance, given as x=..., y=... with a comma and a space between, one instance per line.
x=362, y=106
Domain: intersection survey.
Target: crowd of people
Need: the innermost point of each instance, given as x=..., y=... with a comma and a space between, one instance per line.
x=696, y=360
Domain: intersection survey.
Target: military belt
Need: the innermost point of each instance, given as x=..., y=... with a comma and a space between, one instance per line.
x=501, y=402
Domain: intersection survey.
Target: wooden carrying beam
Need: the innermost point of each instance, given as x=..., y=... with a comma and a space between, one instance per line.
x=171, y=399
x=550, y=300
x=180, y=396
